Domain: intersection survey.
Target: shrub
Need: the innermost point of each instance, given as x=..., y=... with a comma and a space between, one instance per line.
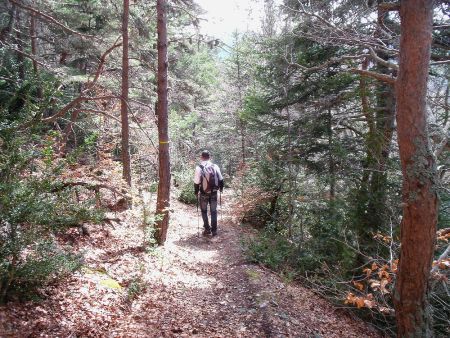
x=34, y=206
x=185, y=187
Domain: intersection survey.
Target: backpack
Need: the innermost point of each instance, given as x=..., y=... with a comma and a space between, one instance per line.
x=209, y=179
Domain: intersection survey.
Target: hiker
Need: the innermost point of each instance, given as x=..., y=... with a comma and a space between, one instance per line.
x=207, y=181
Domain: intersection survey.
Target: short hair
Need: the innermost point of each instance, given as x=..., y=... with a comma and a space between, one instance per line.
x=205, y=154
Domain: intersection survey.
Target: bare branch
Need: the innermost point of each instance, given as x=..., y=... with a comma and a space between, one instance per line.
x=389, y=6
x=82, y=97
x=381, y=77
x=102, y=63
x=381, y=61
x=436, y=63
x=93, y=186
x=29, y=56
x=101, y=112
x=50, y=19
x=444, y=255
x=328, y=63
x=356, y=131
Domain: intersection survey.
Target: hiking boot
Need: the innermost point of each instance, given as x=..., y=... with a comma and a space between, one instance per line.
x=214, y=233
x=206, y=232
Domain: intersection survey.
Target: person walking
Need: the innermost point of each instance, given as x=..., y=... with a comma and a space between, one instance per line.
x=207, y=181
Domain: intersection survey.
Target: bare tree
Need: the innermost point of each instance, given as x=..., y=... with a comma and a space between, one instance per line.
x=420, y=202
x=126, y=161
x=163, y=199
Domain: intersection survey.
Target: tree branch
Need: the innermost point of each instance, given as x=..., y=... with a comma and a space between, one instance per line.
x=374, y=56
x=102, y=63
x=389, y=6
x=381, y=77
x=328, y=63
x=356, y=131
x=82, y=97
x=24, y=54
x=50, y=19
x=444, y=255
x=92, y=186
x=443, y=62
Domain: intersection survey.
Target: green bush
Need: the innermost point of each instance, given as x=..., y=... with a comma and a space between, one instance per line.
x=39, y=264
x=34, y=206
x=271, y=250
x=185, y=187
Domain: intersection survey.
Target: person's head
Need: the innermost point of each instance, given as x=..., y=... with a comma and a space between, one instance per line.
x=205, y=155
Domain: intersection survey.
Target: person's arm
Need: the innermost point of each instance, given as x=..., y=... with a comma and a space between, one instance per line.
x=197, y=180
x=220, y=177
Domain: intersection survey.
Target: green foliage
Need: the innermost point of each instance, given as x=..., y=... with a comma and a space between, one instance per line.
x=40, y=263
x=270, y=249
x=34, y=205
x=32, y=210
x=185, y=187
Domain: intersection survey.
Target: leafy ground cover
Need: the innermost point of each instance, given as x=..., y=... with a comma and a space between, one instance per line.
x=193, y=286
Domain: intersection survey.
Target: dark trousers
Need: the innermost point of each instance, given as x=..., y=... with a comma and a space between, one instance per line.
x=210, y=199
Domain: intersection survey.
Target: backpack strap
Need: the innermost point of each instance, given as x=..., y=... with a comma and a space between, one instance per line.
x=202, y=168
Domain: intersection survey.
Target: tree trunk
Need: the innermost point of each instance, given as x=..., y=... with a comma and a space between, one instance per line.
x=420, y=203
x=34, y=52
x=241, y=120
x=381, y=138
x=7, y=30
x=19, y=42
x=373, y=212
x=163, y=200
x=126, y=161
x=331, y=165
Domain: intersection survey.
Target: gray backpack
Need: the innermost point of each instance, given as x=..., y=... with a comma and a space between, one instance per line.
x=209, y=180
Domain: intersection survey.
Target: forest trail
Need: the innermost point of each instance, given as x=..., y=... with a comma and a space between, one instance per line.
x=193, y=286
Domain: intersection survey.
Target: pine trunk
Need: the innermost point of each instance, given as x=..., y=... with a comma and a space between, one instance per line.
x=126, y=162
x=420, y=203
x=19, y=43
x=163, y=200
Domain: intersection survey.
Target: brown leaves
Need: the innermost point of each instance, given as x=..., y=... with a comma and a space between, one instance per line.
x=378, y=278
x=360, y=301
x=358, y=285
x=384, y=238
x=443, y=235
x=443, y=264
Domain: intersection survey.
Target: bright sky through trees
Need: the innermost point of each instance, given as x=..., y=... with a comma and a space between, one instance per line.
x=225, y=17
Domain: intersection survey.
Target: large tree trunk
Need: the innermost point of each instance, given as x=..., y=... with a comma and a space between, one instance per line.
x=163, y=200
x=420, y=203
x=126, y=161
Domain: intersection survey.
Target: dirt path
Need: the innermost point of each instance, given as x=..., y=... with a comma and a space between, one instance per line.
x=193, y=286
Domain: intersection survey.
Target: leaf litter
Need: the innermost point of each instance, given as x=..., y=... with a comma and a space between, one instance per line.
x=193, y=286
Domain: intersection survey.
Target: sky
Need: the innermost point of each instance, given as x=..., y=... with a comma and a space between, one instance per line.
x=226, y=16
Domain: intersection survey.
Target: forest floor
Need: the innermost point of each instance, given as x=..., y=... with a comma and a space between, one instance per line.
x=193, y=286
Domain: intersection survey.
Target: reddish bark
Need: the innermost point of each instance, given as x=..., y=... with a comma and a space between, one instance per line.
x=420, y=203
x=126, y=161
x=163, y=200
